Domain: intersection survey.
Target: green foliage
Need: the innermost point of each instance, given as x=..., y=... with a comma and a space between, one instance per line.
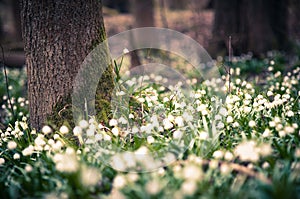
x=245, y=147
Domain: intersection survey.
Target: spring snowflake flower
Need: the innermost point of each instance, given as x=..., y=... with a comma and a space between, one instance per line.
x=28, y=151
x=11, y=145
x=113, y=122
x=187, y=116
x=218, y=154
x=266, y=133
x=223, y=111
x=66, y=162
x=229, y=119
x=46, y=130
x=247, y=151
x=290, y=113
x=203, y=135
x=228, y=156
x=153, y=187
x=189, y=187
x=107, y=137
x=16, y=156
x=252, y=124
x=90, y=176
x=177, y=134
x=220, y=125
x=2, y=161
x=77, y=131
x=225, y=169
x=39, y=141
x=192, y=172
x=167, y=124
x=119, y=182
x=289, y=129
x=265, y=150
x=83, y=124
x=150, y=139
x=28, y=168
x=64, y=130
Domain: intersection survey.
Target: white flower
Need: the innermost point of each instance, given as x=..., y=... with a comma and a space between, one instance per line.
x=107, y=137
x=2, y=161
x=56, y=136
x=64, y=130
x=28, y=151
x=203, y=135
x=218, y=154
x=265, y=165
x=187, y=116
x=98, y=137
x=266, y=133
x=289, y=129
x=265, y=149
x=247, y=151
x=167, y=124
x=150, y=139
x=153, y=187
x=113, y=122
x=66, y=162
x=225, y=169
x=220, y=125
x=272, y=124
x=179, y=121
x=11, y=145
x=189, y=187
x=282, y=133
x=290, y=113
x=125, y=50
x=177, y=134
x=120, y=93
x=252, y=124
x=223, y=111
x=247, y=109
x=83, y=124
x=16, y=156
x=228, y=156
x=90, y=176
x=119, y=182
x=77, y=131
x=229, y=119
x=192, y=172
x=39, y=141
x=46, y=129
x=90, y=132
x=28, y=168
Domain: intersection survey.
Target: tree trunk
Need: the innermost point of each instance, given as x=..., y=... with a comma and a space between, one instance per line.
x=17, y=20
x=256, y=26
x=58, y=35
x=143, y=14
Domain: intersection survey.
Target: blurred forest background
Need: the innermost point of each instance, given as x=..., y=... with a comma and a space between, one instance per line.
x=257, y=26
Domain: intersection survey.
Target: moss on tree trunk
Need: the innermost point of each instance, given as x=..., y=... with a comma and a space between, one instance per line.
x=58, y=35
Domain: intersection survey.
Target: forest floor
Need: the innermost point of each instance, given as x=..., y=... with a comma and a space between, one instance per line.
x=197, y=25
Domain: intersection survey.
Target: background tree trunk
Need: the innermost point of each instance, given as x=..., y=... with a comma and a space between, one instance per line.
x=256, y=26
x=143, y=14
x=58, y=34
x=17, y=20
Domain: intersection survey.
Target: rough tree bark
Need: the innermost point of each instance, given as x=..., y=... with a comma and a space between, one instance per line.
x=256, y=26
x=58, y=34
